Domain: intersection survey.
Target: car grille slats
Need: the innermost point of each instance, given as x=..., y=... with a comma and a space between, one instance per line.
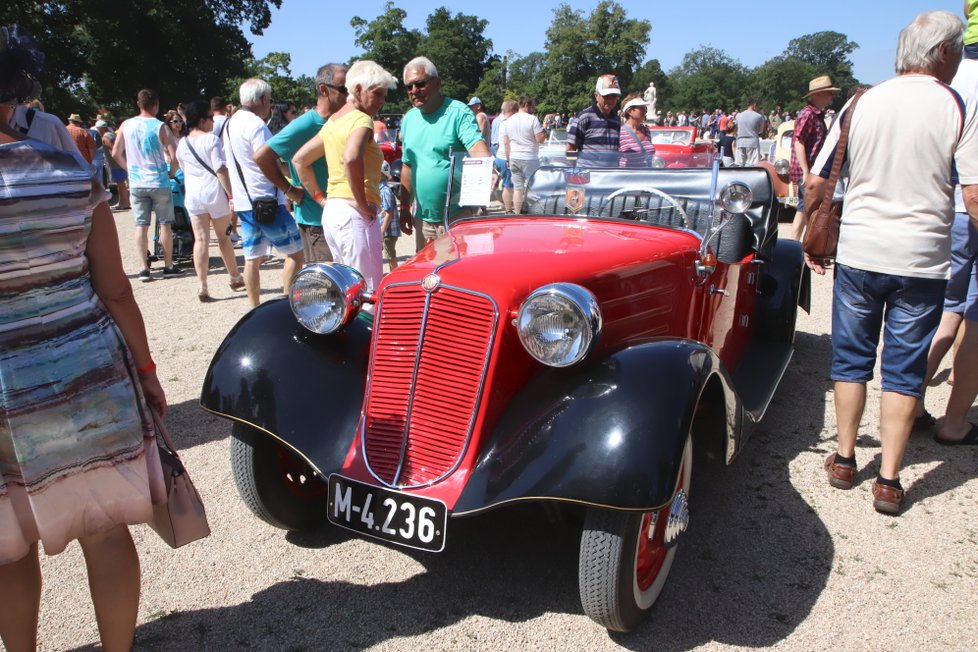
x=426, y=375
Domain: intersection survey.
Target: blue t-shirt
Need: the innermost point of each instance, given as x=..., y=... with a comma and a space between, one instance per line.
x=388, y=202
x=289, y=141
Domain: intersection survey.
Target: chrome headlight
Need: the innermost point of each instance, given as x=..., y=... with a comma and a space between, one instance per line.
x=326, y=296
x=736, y=198
x=559, y=323
x=658, y=162
x=781, y=166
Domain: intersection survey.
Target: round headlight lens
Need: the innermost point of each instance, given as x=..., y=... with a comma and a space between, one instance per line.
x=558, y=324
x=326, y=296
x=781, y=166
x=658, y=162
x=736, y=197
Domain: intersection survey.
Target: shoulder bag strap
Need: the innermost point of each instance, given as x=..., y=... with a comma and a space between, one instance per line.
x=635, y=136
x=197, y=156
x=837, y=160
x=244, y=185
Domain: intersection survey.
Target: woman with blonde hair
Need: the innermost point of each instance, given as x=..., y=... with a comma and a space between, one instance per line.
x=352, y=196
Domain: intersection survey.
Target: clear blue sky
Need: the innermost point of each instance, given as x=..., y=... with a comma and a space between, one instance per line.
x=315, y=32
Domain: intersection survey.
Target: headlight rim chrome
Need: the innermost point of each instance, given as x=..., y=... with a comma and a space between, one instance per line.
x=583, y=302
x=782, y=167
x=349, y=284
x=733, y=205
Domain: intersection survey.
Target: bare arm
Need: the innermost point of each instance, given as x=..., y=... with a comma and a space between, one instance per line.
x=353, y=154
x=170, y=143
x=802, y=158
x=406, y=220
x=386, y=217
x=506, y=143
x=113, y=288
x=308, y=154
x=119, y=148
x=271, y=166
x=480, y=149
x=542, y=136
x=971, y=202
x=225, y=180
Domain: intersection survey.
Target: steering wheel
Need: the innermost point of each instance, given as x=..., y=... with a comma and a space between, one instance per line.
x=651, y=192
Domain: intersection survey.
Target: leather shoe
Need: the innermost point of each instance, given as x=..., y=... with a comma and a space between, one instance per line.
x=886, y=499
x=840, y=475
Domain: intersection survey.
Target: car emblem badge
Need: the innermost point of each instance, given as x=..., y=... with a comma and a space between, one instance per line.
x=431, y=282
x=575, y=199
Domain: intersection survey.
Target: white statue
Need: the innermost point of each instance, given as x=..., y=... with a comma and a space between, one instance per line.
x=649, y=96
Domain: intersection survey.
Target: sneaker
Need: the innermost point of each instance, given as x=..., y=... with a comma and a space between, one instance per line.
x=144, y=276
x=235, y=238
x=171, y=271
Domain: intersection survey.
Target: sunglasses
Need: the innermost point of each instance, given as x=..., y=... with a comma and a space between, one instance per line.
x=421, y=83
x=177, y=122
x=342, y=90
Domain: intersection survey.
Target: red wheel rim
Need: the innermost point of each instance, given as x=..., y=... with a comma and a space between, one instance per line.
x=297, y=475
x=651, y=548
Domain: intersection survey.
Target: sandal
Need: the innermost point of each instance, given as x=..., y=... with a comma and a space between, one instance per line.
x=924, y=421
x=203, y=296
x=970, y=439
x=237, y=283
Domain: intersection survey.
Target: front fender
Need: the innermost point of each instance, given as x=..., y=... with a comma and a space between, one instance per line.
x=610, y=434
x=303, y=389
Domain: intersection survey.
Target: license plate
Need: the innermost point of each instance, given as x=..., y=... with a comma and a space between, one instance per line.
x=400, y=518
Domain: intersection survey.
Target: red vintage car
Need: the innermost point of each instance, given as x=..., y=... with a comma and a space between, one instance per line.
x=581, y=356
x=390, y=144
x=681, y=147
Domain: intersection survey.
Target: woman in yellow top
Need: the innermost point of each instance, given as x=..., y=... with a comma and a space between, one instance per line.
x=352, y=195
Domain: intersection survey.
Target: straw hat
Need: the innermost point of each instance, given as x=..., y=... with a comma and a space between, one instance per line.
x=74, y=117
x=823, y=83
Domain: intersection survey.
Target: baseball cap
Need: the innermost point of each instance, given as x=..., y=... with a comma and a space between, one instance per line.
x=475, y=100
x=101, y=123
x=385, y=169
x=607, y=85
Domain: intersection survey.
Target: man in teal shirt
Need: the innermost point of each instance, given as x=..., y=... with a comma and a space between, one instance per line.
x=436, y=127
x=331, y=96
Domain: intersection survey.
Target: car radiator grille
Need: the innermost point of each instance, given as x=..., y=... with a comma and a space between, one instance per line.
x=426, y=375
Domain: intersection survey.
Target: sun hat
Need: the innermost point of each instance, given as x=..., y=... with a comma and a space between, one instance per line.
x=74, y=117
x=823, y=83
x=607, y=85
x=475, y=100
x=632, y=103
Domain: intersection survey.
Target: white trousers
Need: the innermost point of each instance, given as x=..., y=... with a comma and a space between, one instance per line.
x=354, y=241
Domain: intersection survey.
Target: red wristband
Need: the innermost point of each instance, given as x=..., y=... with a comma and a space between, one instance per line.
x=319, y=195
x=146, y=369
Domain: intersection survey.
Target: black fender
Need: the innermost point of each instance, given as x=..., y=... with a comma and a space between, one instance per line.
x=610, y=434
x=301, y=389
x=785, y=285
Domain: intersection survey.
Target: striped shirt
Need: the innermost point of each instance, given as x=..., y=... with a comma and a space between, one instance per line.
x=592, y=132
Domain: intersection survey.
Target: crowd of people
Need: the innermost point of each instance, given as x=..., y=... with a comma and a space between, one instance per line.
x=314, y=188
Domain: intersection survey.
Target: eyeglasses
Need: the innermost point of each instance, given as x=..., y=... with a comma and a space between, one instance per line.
x=176, y=121
x=420, y=83
x=339, y=89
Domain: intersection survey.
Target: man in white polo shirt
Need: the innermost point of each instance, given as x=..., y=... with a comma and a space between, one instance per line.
x=244, y=134
x=894, y=242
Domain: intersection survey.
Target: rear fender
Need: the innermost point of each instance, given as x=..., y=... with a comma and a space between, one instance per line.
x=303, y=390
x=610, y=434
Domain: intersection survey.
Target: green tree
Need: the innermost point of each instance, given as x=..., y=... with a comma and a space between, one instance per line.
x=829, y=54
x=579, y=48
x=782, y=81
x=276, y=69
x=101, y=54
x=386, y=41
x=458, y=47
x=707, y=78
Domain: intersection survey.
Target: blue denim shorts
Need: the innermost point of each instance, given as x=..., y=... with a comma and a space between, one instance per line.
x=146, y=200
x=907, y=309
x=257, y=240
x=962, y=287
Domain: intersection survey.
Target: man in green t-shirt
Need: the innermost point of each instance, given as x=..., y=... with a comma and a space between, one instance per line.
x=330, y=97
x=436, y=127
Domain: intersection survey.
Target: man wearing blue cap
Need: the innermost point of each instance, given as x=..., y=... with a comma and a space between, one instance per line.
x=480, y=117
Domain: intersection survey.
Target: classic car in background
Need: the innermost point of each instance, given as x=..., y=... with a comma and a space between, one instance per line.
x=784, y=190
x=554, y=150
x=390, y=144
x=682, y=147
x=584, y=355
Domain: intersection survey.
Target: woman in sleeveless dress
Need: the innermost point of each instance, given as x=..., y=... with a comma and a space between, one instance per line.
x=78, y=455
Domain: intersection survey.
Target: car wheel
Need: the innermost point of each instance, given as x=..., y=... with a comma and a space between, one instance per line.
x=277, y=485
x=625, y=557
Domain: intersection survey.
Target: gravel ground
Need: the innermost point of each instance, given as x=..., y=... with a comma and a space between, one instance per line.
x=774, y=557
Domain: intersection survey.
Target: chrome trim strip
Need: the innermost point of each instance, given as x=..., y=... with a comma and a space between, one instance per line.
x=476, y=406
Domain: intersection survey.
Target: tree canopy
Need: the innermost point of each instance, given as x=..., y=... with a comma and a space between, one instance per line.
x=101, y=54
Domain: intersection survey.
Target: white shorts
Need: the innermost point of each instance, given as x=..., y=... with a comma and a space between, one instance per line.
x=354, y=241
x=217, y=208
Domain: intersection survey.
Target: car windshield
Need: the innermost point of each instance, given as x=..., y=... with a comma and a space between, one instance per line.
x=672, y=136
x=643, y=194
x=387, y=136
